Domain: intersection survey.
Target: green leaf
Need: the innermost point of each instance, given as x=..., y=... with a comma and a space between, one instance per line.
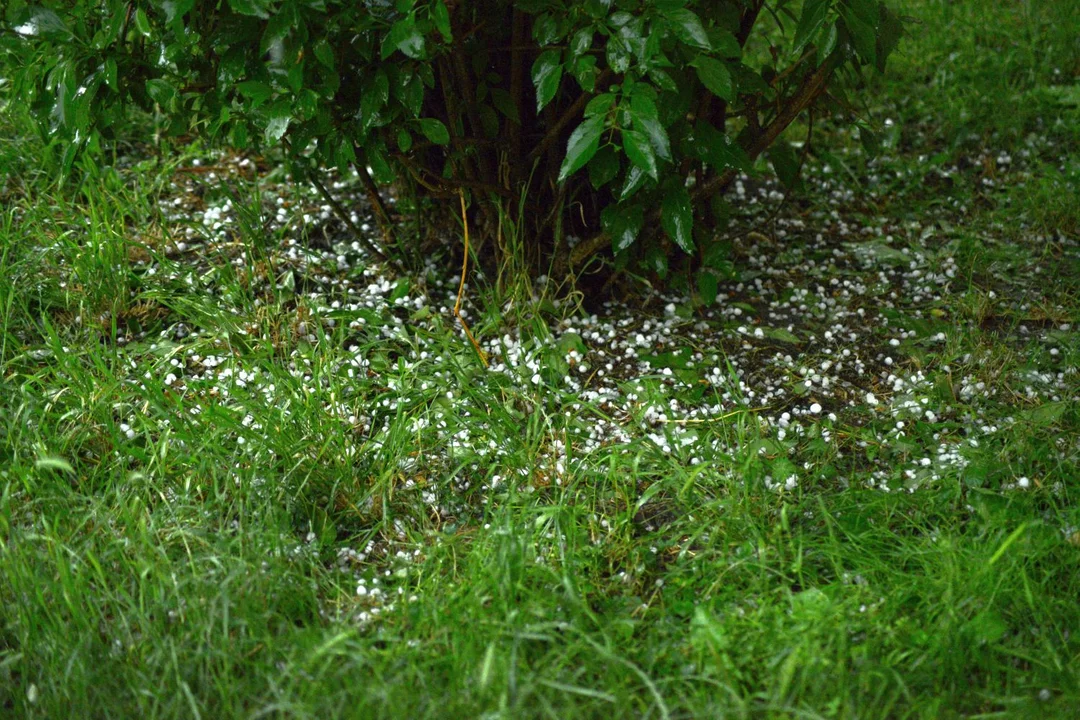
x=780, y=335
x=546, y=74
x=324, y=53
x=585, y=72
x=890, y=30
x=715, y=76
x=600, y=105
x=603, y=167
x=404, y=140
x=785, y=163
x=176, y=9
x=708, y=286
x=44, y=23
x=256, y=91
x=863, y=29
x=280, y=116
x=440, y=15
x=618, y=54
x=545, y=30
x=161, y=91
x=109, y=69
x=677, y=218
x=504, y=103
x=637, y=147
x=142, y=23
x=812, y=18
x=622, y=223
x=254, y=8
x=688, y=28
x=827, y=43
x=663, y=80
x=646, y=119
x=635, y=179
x=582, y=41
x=582, y=146
x=725, y=44
x=434, y=130
x=717, y=149
x=404, y=36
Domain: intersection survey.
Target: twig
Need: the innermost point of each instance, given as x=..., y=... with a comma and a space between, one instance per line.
x=461, y=287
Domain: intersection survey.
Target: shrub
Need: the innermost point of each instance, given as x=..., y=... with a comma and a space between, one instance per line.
x=616, y=121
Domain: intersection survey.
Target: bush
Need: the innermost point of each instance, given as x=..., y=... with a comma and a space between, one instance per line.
x=616, y=121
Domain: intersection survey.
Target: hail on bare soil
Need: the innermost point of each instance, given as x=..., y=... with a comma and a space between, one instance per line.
x=833, y=342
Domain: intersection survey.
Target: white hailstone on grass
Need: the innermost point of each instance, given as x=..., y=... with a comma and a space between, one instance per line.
x=871, y=399
x=815, y=408
x=1023, y=482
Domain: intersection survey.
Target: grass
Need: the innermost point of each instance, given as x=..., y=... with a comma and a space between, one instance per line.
x=242, y=474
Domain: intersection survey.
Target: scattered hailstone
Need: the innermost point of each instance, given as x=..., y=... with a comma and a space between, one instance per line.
x=871, y=399
x=815, y=408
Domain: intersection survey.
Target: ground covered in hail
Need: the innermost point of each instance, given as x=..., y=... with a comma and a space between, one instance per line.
x=246, y=471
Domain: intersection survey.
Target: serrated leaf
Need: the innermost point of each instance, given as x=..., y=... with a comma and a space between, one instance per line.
x=582, y=146
x=688, y=28
x=812, y=18
x=677, y=218
x=622, y=223
x=637, y=147
x=434, y=130
x=715, y=76
x=404, y=36
x=546, y=74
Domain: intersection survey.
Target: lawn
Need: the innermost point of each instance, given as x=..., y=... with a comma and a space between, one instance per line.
x=247, y=472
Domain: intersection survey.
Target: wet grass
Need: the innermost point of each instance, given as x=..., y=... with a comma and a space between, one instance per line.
x=243, y=474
